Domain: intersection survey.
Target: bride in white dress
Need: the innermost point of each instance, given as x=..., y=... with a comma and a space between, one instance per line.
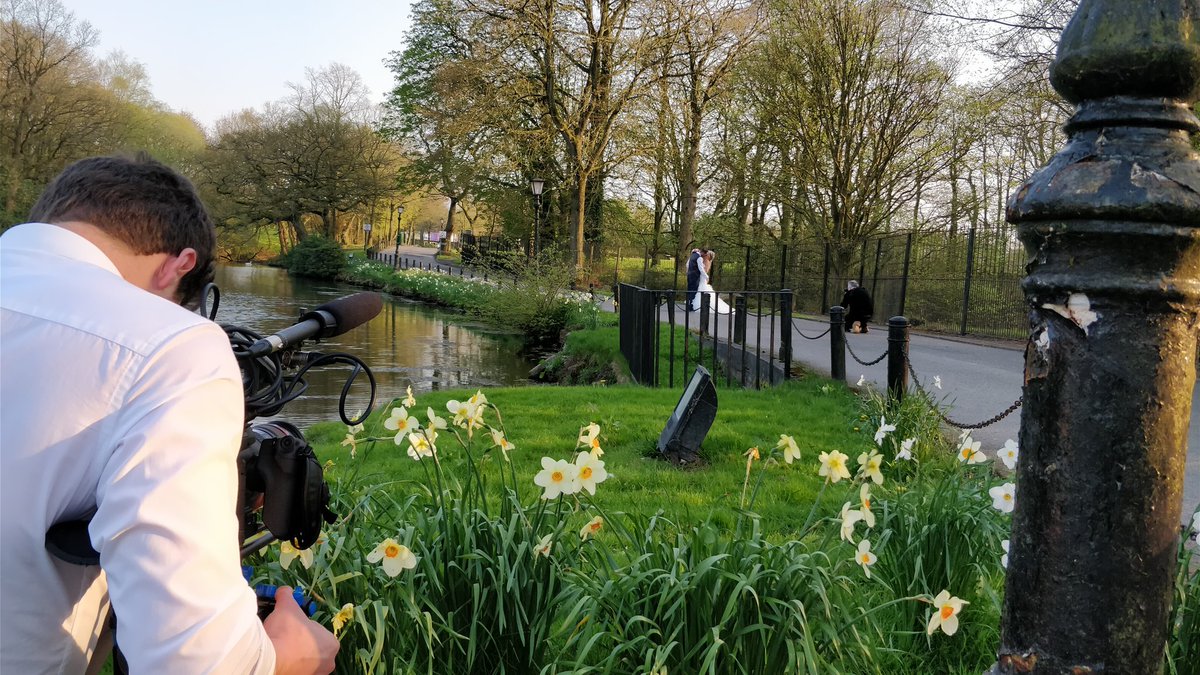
x=715, y=303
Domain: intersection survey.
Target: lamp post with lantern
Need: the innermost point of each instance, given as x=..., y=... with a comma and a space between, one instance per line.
x=399, y=232
x=535, y=186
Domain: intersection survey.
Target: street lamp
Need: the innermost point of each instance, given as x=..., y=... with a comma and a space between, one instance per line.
x=366, y=237
x=535, y=186
x=399, y=232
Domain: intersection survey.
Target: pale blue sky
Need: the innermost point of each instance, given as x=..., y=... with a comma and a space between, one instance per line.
x=213, y=57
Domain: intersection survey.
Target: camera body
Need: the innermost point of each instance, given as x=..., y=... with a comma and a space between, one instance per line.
x=277, y=468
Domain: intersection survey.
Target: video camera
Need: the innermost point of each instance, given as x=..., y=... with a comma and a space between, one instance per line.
x=282, y=491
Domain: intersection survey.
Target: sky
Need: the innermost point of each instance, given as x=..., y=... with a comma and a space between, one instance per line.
x=214, y=57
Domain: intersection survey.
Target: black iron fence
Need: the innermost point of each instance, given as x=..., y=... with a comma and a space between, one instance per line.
x=743, y=337
x=965, y=282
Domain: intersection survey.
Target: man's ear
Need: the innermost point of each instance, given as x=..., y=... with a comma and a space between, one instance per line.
x=172, y=269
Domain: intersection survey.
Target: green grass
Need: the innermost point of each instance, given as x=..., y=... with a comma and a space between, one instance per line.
x=544, y=421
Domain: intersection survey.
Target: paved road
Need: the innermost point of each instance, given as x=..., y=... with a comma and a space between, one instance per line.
x=978, y=380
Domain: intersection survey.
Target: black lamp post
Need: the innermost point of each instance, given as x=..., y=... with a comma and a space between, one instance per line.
x=399, y=232
x=535, y=186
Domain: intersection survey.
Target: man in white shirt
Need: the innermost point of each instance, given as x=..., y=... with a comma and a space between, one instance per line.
x=119, y=403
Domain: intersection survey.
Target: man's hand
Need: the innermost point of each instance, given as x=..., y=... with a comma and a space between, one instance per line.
x=302, y=646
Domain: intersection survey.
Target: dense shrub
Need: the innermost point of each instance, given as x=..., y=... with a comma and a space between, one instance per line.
x=316, y=257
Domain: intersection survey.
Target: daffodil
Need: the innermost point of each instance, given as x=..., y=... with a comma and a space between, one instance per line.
x=346, y=613
x=435, y=422
x=869, y=465
x=419, y=446
x=849, y=517
x=409, y=400
x=1009, y=453
x=937, y=381
x=1004, y=497
x=833, y=466
x=1196, y=522
x=906, y=447
x=393, y=556
x=590, y=470
x=402, y=423
x=459, y=410
x=288, y=553
x=501, y=442
x=1004, y=558
x=883, y=430
x=791, y=451
x=864, y=500
x=945, y=613
x=478, y=400
x=592, y=528
x=589, y=437
x=352, y=441
x=544, y=546
x=969, y=452
x=864, y=556
x=861, y=380
x=557, y=477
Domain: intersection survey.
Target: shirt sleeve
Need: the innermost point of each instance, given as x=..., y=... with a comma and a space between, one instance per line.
x=166, y=525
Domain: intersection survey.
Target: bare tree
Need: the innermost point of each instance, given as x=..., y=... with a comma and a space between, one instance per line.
x=853, y=88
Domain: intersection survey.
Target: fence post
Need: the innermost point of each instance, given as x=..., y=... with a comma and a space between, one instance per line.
x=1109, y=371
x=897, y=358
x=785, y=347
x=739, y=319
x=783, y=263
x=746, y=271
x=825, y=282
x=962, y=326
x=837, y=343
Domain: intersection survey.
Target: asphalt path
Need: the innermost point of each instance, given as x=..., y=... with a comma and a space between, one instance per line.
x=979, y=379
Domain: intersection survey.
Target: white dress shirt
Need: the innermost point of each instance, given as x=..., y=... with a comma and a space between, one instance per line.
x=115, y=400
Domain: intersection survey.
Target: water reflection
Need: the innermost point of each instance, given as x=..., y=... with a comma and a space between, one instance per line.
x=407, y=344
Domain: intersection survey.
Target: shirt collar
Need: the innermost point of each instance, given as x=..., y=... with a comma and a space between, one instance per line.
x=53, y=240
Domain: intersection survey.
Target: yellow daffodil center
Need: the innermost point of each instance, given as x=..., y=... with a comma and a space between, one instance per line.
x=865, y=558
x=947, y=612
x=835, y=463
x=557, y=476
x=595, y=442
x=585, y=473
x=1007, y=497
x=966, y=452
x=595, y=527
x=867, y=504
x=391, y=551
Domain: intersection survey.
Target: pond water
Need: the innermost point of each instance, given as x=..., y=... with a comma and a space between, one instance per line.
x=408, y=343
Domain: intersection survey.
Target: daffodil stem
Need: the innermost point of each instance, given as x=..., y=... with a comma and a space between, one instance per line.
x=813, y=510
x=871, y=611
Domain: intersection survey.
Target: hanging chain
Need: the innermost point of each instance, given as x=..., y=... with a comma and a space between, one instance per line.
x=807, y=337
x=860, y=361
x=986, y=423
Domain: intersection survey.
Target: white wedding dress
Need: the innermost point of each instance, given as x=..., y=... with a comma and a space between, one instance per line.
x=715, y=303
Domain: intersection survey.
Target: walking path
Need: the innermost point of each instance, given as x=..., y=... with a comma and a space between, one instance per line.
x=979, y=378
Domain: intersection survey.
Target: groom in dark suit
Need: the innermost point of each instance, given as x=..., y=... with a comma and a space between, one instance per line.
x=693, y=277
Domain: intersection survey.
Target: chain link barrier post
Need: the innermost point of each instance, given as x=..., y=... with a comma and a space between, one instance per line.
x=897, y=363
x=837, y=343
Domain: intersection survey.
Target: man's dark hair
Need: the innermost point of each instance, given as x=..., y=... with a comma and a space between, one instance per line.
x=140, y=202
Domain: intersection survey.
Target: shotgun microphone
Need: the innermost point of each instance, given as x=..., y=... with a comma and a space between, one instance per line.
x=330, y=319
